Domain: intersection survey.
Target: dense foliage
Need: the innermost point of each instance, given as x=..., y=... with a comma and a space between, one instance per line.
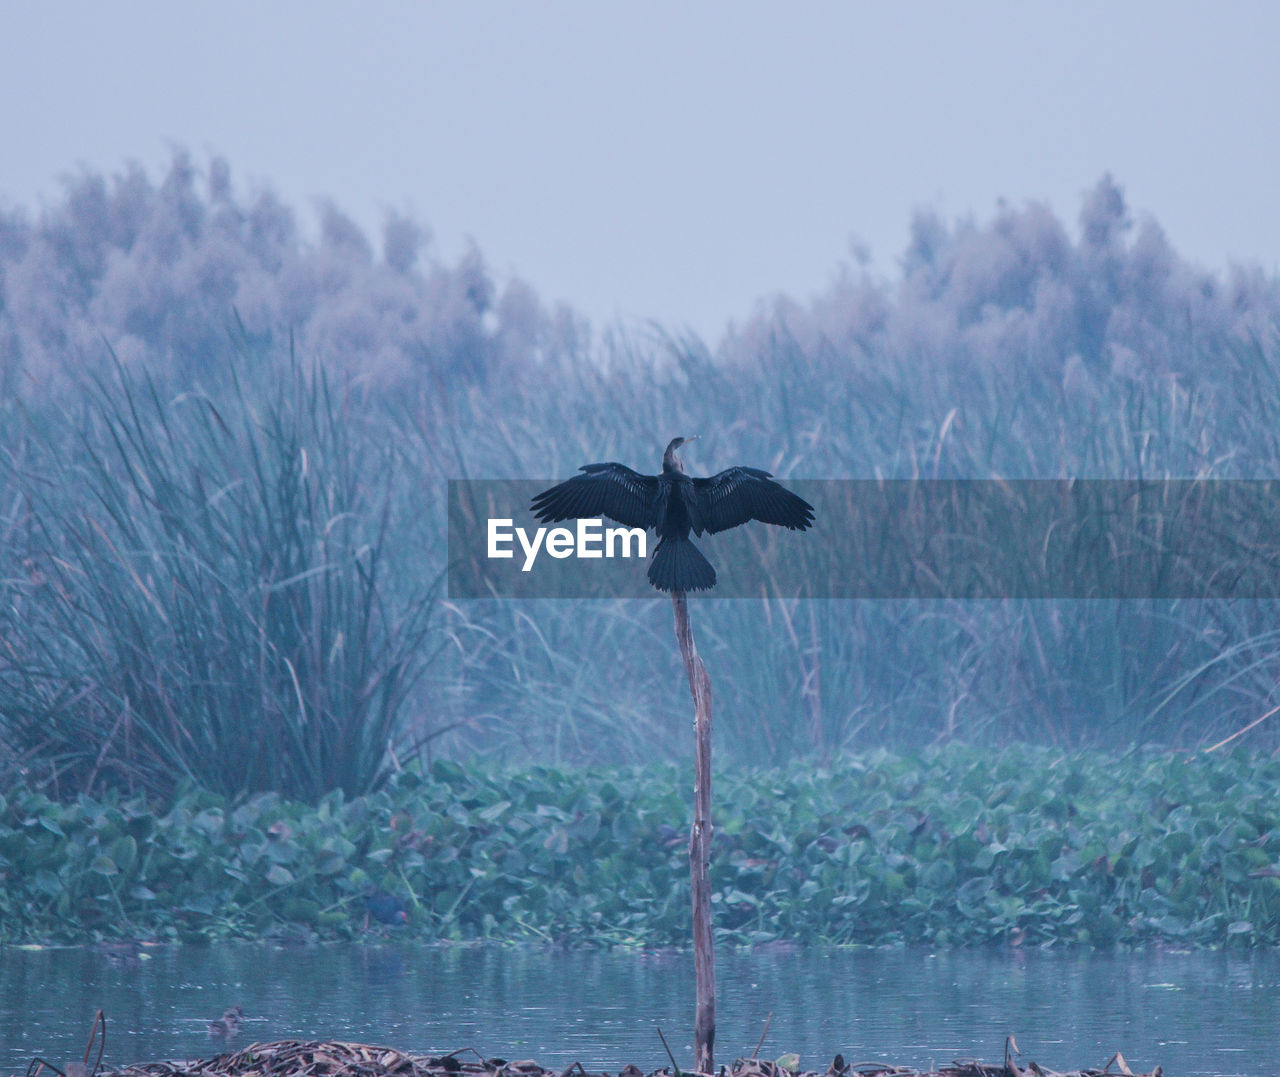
x=152, y=588
x=956, y=847
x=160, y=269
x=201, y=595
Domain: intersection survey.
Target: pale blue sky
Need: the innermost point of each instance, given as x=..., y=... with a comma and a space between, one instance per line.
x=665, y=160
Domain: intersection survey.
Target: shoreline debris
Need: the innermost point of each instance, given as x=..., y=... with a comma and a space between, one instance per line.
x=292, y=1058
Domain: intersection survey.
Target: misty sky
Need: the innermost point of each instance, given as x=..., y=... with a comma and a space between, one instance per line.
x=662, y=160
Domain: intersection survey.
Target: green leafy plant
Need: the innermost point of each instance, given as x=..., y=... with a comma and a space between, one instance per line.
x=950, y=847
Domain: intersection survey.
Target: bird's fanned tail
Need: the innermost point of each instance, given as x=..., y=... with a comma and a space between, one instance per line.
x=678, y=565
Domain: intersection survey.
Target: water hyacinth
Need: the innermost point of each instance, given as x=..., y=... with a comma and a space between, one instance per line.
x=956, y=847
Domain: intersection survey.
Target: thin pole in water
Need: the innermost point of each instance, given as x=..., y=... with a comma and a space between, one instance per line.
x=704, y=1028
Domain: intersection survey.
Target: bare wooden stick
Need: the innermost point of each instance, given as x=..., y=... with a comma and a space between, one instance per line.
x=675, y=1066
x=763, y=1034
x=704, y=1028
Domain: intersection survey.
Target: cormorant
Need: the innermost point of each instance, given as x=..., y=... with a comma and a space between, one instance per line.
x=672, y=504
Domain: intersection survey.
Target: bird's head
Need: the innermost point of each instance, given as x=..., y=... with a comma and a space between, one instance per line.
x=670, y=461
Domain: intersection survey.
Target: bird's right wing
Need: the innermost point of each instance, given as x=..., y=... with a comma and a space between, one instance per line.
x=739, y=494
x=611, y=490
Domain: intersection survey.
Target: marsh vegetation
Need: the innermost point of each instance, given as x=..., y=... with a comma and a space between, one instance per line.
x=958, y=847
x=224, y=454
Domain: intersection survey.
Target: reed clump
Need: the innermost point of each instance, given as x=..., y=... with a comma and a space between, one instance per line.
x=196, y=591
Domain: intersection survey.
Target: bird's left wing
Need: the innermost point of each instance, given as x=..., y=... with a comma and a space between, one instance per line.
x=611, y=490
x=739, y=494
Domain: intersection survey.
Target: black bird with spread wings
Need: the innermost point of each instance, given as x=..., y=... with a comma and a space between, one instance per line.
x=672, y=504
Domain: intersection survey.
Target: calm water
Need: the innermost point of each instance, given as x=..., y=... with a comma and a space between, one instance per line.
x=1196, y=1014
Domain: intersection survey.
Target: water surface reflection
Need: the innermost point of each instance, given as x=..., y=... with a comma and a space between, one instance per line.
x=1196, y=1014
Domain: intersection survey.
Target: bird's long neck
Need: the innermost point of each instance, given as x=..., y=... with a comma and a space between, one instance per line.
x=671, y=462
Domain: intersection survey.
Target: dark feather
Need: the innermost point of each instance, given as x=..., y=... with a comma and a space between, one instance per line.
x=678, y=565
x=739, y=494
x=611, y=490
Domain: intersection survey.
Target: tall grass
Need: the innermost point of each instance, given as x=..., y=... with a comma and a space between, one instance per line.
x=197, y=591
x=231, y=583
x=581, y=681
x=232, y=586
